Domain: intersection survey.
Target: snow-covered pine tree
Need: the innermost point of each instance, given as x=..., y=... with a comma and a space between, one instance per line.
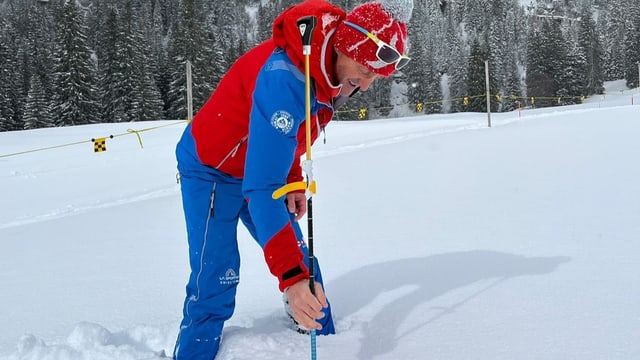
x=505, y=41
x=456, y=65
x=422, y=74
x=590, y=47
x=233, y=27
x=74, y=95
x=156, y=33
x=39, y=38
x=111, y=64
x=611, y=27
x=546, y=61
x=32, y=43
x=191, y=41
x=9, y=84
x=477, y=78
x=632, y=46
x=37, y=110
x=572, y=80
x=146, y=103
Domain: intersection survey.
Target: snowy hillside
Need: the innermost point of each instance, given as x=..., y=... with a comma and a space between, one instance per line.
x=439, y=238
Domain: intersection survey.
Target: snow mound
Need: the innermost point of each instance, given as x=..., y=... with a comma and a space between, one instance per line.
x=90, y=341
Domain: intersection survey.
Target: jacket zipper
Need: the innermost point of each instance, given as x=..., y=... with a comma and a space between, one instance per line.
x=212, y=200
x=233, y=151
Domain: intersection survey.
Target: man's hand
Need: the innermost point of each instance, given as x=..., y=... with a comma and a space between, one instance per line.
x=297, y=204
x=306, y=308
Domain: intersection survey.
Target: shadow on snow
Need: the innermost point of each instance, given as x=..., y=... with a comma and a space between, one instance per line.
x=428, y=277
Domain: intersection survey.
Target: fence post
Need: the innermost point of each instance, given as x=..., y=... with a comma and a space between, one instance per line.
x=189, y=93
x=486, y=73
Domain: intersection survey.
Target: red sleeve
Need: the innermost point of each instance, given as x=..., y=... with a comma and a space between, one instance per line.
x=284, y=258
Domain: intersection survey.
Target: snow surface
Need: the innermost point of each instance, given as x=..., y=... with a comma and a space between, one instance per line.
x=439, y=238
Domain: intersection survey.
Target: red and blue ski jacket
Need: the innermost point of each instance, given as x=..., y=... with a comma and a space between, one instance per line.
x=252, y=127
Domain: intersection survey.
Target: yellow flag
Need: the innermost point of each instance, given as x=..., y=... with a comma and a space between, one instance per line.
x=100, y=144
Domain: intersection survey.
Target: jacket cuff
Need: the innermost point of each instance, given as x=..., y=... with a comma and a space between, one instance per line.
x=292, y=276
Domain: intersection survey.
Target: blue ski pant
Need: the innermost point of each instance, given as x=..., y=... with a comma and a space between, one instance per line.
x=213, y=205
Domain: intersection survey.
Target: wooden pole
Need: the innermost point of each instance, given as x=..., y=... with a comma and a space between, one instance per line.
x=189, y=93
x=486, y=72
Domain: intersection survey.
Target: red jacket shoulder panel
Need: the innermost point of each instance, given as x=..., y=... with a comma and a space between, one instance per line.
x=221, y=127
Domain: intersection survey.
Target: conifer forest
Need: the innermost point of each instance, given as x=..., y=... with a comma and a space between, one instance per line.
x=72, y=62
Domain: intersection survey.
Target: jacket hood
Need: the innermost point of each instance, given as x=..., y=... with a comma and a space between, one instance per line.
x=287, y=36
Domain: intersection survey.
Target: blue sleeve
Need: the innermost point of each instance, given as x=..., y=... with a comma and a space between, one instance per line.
x=276, y=115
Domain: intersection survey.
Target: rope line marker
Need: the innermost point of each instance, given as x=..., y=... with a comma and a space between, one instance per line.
x=93, y=140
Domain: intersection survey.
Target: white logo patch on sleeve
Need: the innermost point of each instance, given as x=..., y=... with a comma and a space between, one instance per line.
x=282, y=121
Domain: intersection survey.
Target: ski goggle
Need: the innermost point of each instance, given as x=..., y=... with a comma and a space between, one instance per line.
x=385, y=53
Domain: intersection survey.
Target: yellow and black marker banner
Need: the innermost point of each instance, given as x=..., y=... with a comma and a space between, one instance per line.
x=99, y=144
